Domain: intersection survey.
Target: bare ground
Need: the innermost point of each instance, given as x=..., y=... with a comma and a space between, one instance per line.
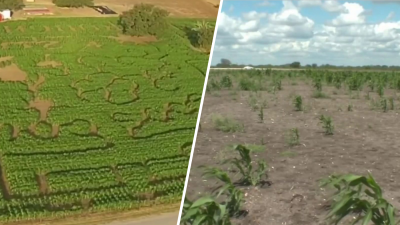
x=364, y=139
x=177, y=8
x=12, y=73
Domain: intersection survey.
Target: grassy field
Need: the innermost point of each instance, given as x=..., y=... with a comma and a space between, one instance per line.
x=92, y=120
x=306, y=126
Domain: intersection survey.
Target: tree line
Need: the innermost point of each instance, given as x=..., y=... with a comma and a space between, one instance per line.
x=226, y=63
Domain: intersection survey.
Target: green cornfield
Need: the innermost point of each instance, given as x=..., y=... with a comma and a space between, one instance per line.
x=91, y=120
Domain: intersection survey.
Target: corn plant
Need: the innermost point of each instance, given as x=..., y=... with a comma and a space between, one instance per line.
x=205, y=210
x=298, y=103
x=327, y=124
x=234, y=196
x=245, y=167
x=293, y=137
x=360, y=196
x=261, y=114
x=391, y=103
x=384, y=105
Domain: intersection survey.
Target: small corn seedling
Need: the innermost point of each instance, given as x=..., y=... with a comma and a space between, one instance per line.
x=384, y=105
x=261, y=115
x=327, y=124
x=226, y=82
x=298, y=103
x=391, y=103
x=250, y=176
x=293, y=137
x=350, y=107
x=381, y=90
x=318, y=84
x=360, y=197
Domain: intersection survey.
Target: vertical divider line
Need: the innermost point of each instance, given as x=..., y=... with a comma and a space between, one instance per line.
x=199, y=115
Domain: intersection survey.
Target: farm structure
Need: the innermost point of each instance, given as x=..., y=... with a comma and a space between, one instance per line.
x=32, y=11
x=5, y=15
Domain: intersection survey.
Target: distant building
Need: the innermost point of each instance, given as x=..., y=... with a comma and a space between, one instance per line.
x=248, y=68
x=5, y=14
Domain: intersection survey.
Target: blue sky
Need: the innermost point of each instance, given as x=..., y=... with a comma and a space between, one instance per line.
x=310, y=31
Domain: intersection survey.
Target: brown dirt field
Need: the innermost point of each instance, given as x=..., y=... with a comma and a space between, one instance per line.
x=43, y=106
x=12, y=73
x=364, y=139
x=134, y=39
x=177, y=8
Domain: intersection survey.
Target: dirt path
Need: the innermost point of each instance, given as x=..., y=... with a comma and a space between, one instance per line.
x=164, y=219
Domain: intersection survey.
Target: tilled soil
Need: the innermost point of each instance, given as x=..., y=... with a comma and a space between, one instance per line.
x=364, y=140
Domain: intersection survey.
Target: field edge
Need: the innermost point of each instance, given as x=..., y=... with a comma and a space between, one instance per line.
x=97, y=218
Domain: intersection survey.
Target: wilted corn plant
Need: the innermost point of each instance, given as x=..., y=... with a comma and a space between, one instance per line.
x=360, y=196
x=250, y=176
x=298, y=103
x=327, y=124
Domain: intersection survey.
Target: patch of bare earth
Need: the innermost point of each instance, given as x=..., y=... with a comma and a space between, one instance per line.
x=6, y=58
x=364, y=139
x=134, y=39
x=55, y=130
x=12, y=73
x=34, y=87
x=43, y=106
x=49, y=63
x=93, y=44
x=42, y=183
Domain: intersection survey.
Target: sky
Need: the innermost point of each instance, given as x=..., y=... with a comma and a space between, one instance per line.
x=342, y=33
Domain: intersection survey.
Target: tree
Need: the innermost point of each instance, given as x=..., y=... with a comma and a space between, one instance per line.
x=11, y=4
x=204, y=34
x=314, y=65
x=226, y=62
x=73, y=3
x=295, y=65
x=144, y=19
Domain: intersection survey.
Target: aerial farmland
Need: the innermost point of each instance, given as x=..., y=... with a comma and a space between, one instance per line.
x=92, y=120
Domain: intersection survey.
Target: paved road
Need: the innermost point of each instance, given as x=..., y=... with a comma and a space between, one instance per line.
x=163, y=219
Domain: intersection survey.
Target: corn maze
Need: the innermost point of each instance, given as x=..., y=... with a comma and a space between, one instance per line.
x=91, y=120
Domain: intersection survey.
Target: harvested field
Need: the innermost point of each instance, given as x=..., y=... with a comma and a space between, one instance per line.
x=177, y=8
x=84, y=128
x=262, y=111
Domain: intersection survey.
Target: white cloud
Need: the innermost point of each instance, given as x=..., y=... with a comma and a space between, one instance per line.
x=354, y=14
x=287, y=35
